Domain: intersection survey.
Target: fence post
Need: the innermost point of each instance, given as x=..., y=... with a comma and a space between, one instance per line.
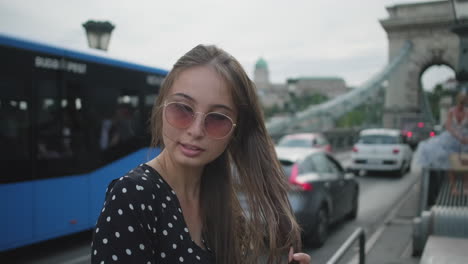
x=357, y=234
x=362, y=248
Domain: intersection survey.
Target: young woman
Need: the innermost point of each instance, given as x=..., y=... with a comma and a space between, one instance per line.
x=435, y=153
x=182, y=206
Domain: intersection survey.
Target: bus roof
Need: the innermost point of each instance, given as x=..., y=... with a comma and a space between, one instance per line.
x=81, y=55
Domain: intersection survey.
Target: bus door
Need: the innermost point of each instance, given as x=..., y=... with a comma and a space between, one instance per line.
x=61, y=200
x=59, y=123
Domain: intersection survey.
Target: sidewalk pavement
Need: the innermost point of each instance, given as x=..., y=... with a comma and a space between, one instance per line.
x=394, y=240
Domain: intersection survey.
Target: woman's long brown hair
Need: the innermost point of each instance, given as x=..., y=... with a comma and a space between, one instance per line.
x=270, y=228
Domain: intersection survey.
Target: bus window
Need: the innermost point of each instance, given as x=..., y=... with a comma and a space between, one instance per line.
x=50, y=124
x=14, y=124
x=59, y=127
x=112, y=106
x=121, y=127
x=15, y=162
x=150, y=100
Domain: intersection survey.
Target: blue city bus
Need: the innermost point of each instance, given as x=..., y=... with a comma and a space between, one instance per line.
x=70, y=122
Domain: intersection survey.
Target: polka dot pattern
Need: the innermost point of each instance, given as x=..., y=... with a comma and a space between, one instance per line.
x=141, y=222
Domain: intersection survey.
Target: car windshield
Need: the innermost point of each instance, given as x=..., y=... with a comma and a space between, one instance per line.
x=378, y=139
x=295, y=142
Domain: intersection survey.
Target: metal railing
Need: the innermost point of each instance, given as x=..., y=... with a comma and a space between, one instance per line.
x=436, y=190
x=441, y=212
x=357, y=234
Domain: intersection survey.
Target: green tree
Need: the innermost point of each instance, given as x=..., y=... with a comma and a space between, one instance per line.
x=434, y=97
x=300, y=103
x=366, y=114
x=271, y=111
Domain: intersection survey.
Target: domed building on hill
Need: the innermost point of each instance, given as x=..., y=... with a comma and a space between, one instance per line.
x=270, y=94
x=261, y=74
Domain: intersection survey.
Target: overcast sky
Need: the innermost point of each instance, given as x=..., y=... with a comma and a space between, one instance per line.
x=296, y=38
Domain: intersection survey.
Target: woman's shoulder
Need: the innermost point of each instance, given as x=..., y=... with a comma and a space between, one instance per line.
x=137, y=181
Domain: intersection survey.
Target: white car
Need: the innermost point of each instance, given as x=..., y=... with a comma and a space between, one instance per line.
x=381, y=150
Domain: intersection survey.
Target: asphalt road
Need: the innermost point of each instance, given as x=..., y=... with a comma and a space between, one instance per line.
x=378, y=196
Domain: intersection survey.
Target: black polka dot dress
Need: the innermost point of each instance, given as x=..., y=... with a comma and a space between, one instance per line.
x=142, y=222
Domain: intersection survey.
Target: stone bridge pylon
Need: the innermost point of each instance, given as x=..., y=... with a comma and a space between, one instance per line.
x=428, y=27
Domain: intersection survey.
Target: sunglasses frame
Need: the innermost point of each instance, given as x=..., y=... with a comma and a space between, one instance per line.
x=194, y=118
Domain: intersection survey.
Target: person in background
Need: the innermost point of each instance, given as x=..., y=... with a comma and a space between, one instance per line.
x=182, y=206
x=435, y=153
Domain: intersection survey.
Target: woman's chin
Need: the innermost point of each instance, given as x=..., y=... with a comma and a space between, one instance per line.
x=192, y=162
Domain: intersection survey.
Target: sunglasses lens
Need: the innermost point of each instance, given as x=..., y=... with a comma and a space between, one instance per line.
x=217, y=125
x=179, y=115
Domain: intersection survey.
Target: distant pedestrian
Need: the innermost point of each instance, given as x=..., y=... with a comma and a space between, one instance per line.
x=182, y=206
x=436, y=152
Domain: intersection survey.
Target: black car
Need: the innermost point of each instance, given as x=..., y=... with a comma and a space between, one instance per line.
x=322, y=192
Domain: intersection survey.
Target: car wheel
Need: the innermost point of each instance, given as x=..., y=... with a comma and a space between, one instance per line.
x=354, y=210
x=320, y=234
x=400, y=172
x=408, y=168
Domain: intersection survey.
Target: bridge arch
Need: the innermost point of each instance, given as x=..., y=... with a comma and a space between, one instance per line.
x=443, y=71
x=428, y=26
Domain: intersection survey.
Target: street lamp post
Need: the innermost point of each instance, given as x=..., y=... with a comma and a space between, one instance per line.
x=98, y=34
x=292, y=98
